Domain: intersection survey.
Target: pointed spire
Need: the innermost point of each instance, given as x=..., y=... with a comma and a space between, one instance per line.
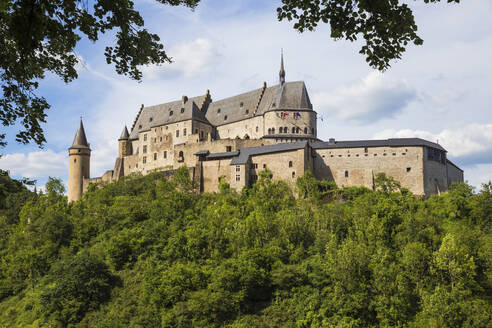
x=124, y=134
x=282, y=71
x=80, y=141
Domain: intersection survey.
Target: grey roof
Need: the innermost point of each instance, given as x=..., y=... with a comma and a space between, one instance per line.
x=393, y=142
x=80, y=140
x=223, y=155
x=124, y=134
x=202, y=152
x=288, y=96
x=246, y=153
x=161, y=114
x=456, y=166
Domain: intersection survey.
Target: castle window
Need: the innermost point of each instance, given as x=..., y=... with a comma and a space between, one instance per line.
x=241, y=104
x=140, y=127
x=346, y=174
x=298, y=130
x=171, y=113
x=238, y=177
x=394, y=154
x=167, y=127
x=339, y=155
x=184, y=132
x=293, y=130
x=384, y=154
x=144, y=159
x=182, y=110
x=177, y=133
x=228, y=148
x=218, y=110
x=305, y=130
x=155, y=156
x=409, y=169
x=165, y=154
x=225, y=118
x=273, y=130
x=255, y=165
x=238, y=168
x=79, y=150
x=375, y=154
x=290, y=163
x=365, y=155
x=145, y=149
x=331, y=155
x=160, y=139
x=293, y=175
x=151, y=119
x=365, y=149
x=256, y=129
x=145, y=137
x=247, y=111
x=75, y=160
x=269, y=131
x=348, y=155
x=356, y=155
x=403, y=154
x=264, y=166
x=285, y=130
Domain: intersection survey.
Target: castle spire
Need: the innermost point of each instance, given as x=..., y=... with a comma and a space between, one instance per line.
x=80, y=140
x=124, y=134
x=282, y=71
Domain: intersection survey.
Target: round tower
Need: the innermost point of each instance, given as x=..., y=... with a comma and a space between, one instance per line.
x=79, y=157
x=124, y=145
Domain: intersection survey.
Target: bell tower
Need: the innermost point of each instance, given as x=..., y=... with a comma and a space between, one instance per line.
x=79, y=158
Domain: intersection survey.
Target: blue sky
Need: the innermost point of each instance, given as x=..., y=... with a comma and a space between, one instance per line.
x=439, y=91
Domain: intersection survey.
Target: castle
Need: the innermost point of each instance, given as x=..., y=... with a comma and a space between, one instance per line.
x=270, y=127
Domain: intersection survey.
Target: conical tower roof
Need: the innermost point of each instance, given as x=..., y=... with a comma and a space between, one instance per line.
x=124, y=134
x=80, y=140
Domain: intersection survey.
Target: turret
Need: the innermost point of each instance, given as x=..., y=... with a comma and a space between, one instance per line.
x=79, y=157
x=124, y=145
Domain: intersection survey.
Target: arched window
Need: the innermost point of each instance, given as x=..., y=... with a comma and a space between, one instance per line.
x=305, y=130
x=285, y=129
x=290, y=163
x=269, y=131
x=273, y=130
x=298, y=130
x=181, y=154
x=293, y=130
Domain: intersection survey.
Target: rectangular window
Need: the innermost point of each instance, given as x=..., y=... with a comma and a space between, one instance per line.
x=255, y=165
x=409, y=169
x=228, y=148
x=177, y=133
x=145, y=149
x=264, y=166
x=161, y=139
x=155, y=156
x=365, y=149
x=346, y=174
x=238, y=177
x=238, y=168
x=145, y=137
x=165, y=154
x=144, y=159
x=184, y=132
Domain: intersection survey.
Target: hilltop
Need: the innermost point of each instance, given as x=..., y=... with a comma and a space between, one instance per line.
x=151, y=252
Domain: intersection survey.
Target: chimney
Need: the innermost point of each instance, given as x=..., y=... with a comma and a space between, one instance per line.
x=331, y=140
x=184, y=99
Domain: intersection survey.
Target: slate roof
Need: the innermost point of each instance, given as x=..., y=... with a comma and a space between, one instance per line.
x=223, y=155
x=124, y=134
x=246, y=153
x=288, y=96
x=394, y=142
x=80, y=140
x=157, y=115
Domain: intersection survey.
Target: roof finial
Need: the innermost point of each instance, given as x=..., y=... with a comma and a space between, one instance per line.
x=282, y=71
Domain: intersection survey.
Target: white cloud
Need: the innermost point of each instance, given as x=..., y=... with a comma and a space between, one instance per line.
x=370, y=99
x=471, y=143
x=36, y=164
x=189, y=58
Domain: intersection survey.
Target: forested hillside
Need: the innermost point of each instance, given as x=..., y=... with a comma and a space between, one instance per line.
x=149, y=252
